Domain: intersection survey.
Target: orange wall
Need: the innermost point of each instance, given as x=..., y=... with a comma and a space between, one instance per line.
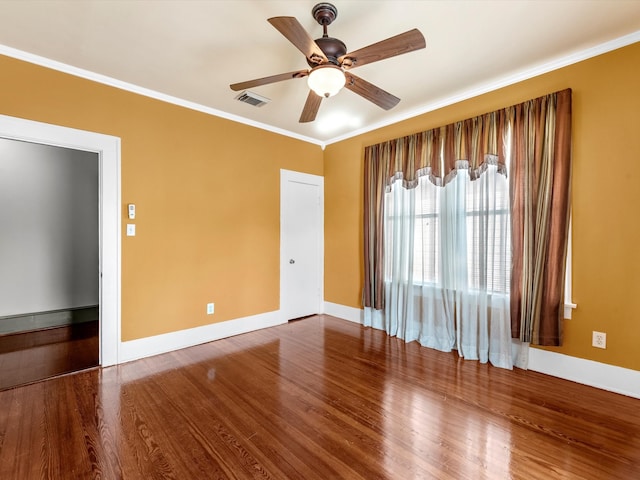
x=606, y=192
x=206, y=192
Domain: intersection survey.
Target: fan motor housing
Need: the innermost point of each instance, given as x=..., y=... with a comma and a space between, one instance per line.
x=332, y=48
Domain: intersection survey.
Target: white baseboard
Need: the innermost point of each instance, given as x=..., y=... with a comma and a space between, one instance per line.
x=168, y=342
x=595, y=374
x=587, y=372
x=345, y=313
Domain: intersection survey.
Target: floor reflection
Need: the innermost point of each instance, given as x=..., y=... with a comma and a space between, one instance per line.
x=317, y=399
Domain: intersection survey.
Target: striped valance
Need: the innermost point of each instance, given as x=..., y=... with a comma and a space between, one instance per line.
x=471, y=143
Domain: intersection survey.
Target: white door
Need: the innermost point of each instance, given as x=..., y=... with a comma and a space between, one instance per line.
x=301, y=244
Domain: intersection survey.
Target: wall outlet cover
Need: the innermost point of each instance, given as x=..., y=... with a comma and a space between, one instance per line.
x=599, y=340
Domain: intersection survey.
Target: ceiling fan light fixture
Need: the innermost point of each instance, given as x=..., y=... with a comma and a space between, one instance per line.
x=326, y=80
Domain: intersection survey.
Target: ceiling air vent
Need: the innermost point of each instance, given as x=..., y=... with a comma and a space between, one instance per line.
x=252, y=99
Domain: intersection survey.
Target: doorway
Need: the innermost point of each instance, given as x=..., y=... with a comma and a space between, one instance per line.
x=107, y=149
x=301, y=244
x=49, y=283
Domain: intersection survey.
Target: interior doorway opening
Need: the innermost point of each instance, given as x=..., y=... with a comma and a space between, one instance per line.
x=49, y=283
x=106, y=149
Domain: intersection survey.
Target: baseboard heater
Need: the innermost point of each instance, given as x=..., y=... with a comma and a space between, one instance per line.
x=25, y=322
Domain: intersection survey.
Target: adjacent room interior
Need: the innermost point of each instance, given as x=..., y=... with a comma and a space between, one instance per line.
x=49, y=318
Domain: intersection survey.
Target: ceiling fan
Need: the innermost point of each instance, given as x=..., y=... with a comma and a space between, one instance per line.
x=330, y=63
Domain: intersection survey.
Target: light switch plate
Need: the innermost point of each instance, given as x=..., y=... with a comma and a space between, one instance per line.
x=131, y=230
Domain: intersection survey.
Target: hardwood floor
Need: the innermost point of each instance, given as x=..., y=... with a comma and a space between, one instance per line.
x=320, y=398
x=32, y=356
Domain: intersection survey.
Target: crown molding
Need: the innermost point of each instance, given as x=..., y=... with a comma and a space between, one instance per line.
x=496, y=84
x=146, y=92
x=466, y=94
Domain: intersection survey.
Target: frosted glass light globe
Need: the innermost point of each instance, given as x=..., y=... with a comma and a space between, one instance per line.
x=326, y=80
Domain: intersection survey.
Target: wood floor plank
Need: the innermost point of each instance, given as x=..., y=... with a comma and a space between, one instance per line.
x=21, y=453
x=319, y=398
x=264, y=438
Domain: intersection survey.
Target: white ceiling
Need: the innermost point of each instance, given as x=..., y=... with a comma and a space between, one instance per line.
x=189, y=51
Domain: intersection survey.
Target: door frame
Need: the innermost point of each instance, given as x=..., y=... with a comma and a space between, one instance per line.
x=108, y=149
x=316, y=180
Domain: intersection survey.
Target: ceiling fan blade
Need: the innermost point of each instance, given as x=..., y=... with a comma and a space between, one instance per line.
x=404, y=43
x=266, y=80
x=371, y=92
x=311, y=107
x=296, y=34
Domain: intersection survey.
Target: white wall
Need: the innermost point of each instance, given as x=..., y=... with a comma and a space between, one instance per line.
x=48, y=228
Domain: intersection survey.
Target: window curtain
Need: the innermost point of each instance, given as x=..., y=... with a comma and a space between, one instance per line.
x=540, y=192
x=536, y=134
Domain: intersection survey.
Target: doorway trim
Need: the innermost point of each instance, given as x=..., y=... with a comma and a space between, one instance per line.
x=317, y=180
x=108, y=149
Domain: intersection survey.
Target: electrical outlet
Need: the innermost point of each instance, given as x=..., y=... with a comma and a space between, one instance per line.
x=210, y=308
x=599, y=340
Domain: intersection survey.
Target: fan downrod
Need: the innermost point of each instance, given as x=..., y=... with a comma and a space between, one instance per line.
x=333, y=48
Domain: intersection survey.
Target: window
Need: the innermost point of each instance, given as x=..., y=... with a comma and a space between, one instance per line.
x=466, y=222
x=447, y=263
